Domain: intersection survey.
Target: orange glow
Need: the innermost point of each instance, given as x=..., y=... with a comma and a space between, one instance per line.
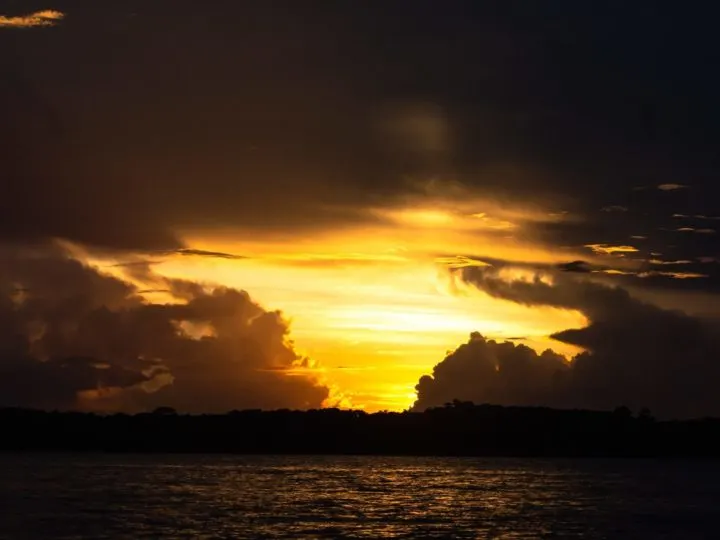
x=376, y=306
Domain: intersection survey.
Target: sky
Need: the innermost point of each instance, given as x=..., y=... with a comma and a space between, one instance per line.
x=378, y=205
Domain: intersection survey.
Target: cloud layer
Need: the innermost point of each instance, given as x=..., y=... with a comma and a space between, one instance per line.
x=74, y=338
x=266, y=135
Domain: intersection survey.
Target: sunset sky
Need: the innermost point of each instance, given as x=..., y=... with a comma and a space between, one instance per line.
x=399, y=179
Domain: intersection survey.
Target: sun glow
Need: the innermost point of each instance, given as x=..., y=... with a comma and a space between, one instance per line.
x=377, y=306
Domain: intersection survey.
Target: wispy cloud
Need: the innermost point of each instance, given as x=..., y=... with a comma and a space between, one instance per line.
x=694, y=230
x=674, y=275
x=614, y=208
x=616, y=272
x=460, y=261
x=607, y=249
x=696, y=216
x=184, y=252
x=672, y=187
x=187, y=252
x=46, y=17
x=658, y=261
x=153, y=291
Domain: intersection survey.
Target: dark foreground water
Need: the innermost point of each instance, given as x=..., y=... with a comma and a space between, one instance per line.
x=97, y=497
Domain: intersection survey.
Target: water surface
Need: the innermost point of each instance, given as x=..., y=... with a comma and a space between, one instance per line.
x=120, y=496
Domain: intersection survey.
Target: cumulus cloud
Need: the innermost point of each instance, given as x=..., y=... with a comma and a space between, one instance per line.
x=636, y=353
x=74, y=338
x=486, y=371
x=46, y=17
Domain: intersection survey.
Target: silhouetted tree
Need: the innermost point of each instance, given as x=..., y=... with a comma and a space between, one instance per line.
x=459, y=429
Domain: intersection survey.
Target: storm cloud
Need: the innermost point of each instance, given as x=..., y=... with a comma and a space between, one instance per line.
x=152, y=130
x=485, y=371
x=636, y=354
x=288, y=119
x=75, y=338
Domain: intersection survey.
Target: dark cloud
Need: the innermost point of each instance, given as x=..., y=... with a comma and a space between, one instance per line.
x=74, y=338
x=630, y=273
x=637, y=354
x=57, y=383
x=486, y=371
x=147, y=148
x=142, y=268
x=148, y=291
x=575, y=266
x=187, y=252
x=272, y=118
x=631, y=266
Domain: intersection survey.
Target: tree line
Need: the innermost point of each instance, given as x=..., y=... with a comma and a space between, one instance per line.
x=457, y=429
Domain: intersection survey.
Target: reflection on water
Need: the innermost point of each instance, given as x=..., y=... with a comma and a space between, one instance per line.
x=109, y=497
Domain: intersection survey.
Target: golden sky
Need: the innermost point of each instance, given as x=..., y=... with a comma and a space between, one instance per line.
x=376, y=305
x=390, y=180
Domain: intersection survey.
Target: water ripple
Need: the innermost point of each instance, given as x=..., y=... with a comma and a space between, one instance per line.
x=218, y=497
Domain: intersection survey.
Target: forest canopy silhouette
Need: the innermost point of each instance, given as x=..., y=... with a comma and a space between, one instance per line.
x=456, y=429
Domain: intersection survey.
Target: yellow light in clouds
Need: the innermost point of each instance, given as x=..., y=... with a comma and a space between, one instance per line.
x=376, y=305
x=377, y=328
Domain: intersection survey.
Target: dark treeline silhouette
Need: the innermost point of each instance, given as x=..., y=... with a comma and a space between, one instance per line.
x=459, y=428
